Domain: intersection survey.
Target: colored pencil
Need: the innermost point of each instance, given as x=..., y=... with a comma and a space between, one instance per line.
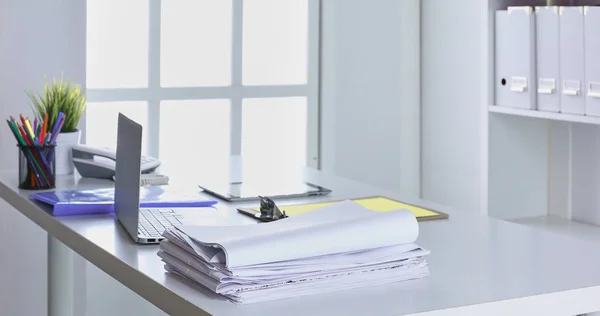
x=31, y=155
x=34, y=137
x=44, y=129
x=56, y=130
x=13, y=128
x=36, y=157
x=34, y=175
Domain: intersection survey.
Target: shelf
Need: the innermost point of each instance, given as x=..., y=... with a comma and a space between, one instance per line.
x=545, y=115
x=562, y=226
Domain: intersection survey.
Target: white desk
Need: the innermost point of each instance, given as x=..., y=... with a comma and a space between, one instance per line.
x=479, y=266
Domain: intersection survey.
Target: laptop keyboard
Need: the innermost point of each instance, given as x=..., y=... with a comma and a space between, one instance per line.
x=153, y=222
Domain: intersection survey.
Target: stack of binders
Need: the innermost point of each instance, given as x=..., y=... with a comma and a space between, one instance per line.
x=546, y=59
x=337, y=247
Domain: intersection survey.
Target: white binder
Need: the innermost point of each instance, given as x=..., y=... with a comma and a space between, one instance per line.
x=548, y=59
x=515, y=58
x=592, y=60
x=572, y=57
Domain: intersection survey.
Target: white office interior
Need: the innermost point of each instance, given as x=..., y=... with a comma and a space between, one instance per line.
x=402, y=100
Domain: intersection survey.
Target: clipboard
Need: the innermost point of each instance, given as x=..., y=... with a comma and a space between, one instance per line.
x=373, y=203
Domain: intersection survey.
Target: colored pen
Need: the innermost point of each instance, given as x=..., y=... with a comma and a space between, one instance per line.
x=26, y=124
x=34, y=158
x=13, y=128
x=24, y=135
x=36, y=155
x=56, y=130
x=20, y=137
x=31, y=136
x=20, y=141
x=30, y=128
x=44, y=128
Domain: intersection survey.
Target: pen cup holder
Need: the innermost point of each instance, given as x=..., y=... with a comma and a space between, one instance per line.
x=37, y=167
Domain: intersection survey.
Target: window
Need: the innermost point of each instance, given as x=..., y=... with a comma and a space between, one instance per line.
x=215, y=78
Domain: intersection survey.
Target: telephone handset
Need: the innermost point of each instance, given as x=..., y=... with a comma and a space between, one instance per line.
x=100, y=162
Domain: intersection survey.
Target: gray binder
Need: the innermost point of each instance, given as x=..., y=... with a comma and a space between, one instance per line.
x=548, y=58
x=515, y=58
x=592, y=60
x=572, y=60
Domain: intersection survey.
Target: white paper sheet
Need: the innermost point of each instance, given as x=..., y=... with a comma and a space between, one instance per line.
x=337, y=247
x=338, y=228
x=337, y=263
x=251, y=294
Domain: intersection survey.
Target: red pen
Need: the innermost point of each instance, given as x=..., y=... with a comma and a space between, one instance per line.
x=24, y=134
x=44, y=131
x=22, y=119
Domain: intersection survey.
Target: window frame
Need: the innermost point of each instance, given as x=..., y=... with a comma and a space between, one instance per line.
x=236, y=92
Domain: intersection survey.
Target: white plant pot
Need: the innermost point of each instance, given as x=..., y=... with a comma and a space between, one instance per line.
x=63, y=152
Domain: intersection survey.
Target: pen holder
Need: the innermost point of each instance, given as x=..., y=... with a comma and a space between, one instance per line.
x=36, y=167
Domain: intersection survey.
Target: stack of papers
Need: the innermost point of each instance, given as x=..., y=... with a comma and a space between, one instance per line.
x=338, y=247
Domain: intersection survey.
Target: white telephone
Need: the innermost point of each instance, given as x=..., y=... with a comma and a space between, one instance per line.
x=99, y=162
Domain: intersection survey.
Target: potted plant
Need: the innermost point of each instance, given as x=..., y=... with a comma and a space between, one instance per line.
x=68, y=98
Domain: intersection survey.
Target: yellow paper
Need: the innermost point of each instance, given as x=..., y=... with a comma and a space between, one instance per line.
x=376, y=204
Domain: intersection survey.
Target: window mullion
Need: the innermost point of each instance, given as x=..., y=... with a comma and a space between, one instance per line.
x=313, y=96
x=236, y=78
x=154, y=79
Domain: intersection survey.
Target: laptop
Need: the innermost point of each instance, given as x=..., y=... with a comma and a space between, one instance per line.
x=145, y=225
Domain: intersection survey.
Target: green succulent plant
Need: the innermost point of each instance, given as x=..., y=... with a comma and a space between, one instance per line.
x=60, y=96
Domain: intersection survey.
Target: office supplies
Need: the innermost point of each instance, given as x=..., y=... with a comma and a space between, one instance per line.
x=96, y=162
x=56, y=130
x=30, y=130
x=36, y=161
x=548, y=60
x=572, y=58
x=152, y=179
x=252, y=190
x=95, y=201
x=515, y=58
x=592, y=62
x=144, y=225
x=44, y=128
x=268, y=211
x=58, y=124
x=342, y=246
x=375, y=204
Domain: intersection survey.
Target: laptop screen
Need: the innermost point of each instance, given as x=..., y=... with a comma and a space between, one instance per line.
x=127, y=174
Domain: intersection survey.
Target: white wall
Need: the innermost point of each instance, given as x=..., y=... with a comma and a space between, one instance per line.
x=451, y=101
x=37, y=38
x=374, y=128
x=370, y=92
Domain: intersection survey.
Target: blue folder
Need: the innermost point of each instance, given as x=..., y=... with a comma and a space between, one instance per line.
x=98, y=201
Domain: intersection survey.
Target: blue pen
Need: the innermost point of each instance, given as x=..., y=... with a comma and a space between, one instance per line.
x=55, y=127
x=57, y=130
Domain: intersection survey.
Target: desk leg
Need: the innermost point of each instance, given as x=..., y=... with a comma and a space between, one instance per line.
x=66, y=281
